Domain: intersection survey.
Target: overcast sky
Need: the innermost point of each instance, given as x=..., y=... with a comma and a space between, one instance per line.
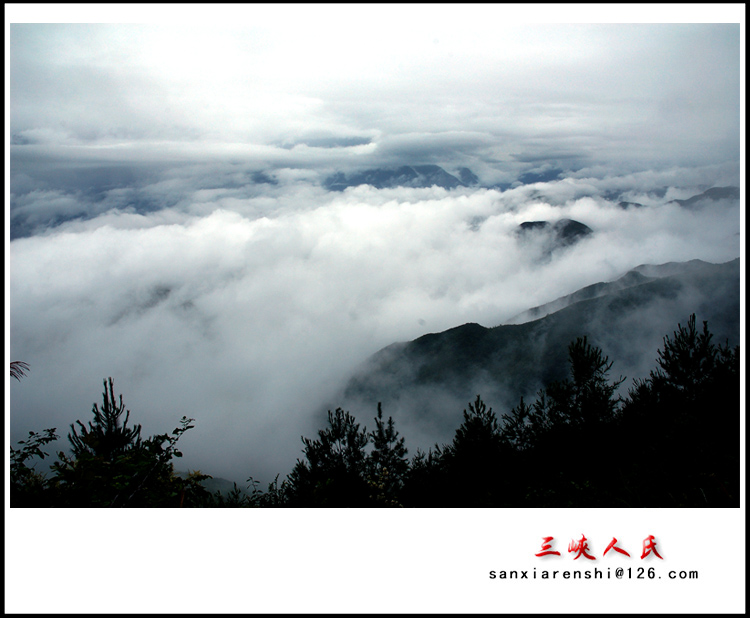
x=166, y=178
x=276, y=85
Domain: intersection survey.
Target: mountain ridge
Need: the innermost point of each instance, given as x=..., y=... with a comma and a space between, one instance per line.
x=424, y=381
x=418, y=176
x=714, y=194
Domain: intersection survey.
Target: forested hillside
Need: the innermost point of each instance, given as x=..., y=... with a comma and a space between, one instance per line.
x=422, y=382
x=671, y=441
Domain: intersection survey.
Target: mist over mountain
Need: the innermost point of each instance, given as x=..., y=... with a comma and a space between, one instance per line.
x=546, y=175
x=44, y=198
x=229, y=229
x=708, y=197
x=404, y=176
x=249, y=215
x=265, y=291
x=422, y=383
x=467, y=177
x=426, y=176
x=552, y=236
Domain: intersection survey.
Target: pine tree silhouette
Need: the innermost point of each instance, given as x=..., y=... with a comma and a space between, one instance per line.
x=107, y=436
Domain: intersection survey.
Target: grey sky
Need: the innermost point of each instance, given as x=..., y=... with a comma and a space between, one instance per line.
x=452, y=82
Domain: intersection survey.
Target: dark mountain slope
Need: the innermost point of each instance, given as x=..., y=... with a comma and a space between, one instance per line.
x=630, y=279
x=425, y=383
x=714, y=194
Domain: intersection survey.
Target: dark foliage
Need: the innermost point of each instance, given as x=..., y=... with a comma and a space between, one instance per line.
x=683, y=424
x=27, y=485
x=107, y=437
x=387, y=465
x=673, y=441
x=338, y=470
x=18, y=369
x=110, y=465
x=333, y=471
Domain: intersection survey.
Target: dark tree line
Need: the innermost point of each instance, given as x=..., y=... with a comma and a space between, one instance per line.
x=672, y=441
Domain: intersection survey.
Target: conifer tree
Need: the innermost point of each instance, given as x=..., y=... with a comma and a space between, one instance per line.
x=474, y=462
x=518, y=426
x=107, y=436
x=479, y=431
x=389, y=450
x=111, y=465
x=333, y=472
x=687, y=360
x=570, y=423
x=387, y=463
x=588, y=396
x=690, y=406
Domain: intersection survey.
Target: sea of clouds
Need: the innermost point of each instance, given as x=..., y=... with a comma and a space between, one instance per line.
x=247, y=305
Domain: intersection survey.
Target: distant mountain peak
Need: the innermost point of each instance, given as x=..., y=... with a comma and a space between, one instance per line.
x=562, y=233
x=418, y=176
x=713, y=194
x=467, y=177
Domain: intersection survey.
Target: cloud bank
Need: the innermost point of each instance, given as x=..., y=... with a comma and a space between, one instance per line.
x=469, y=81
x=248, y=323
x=169, y=225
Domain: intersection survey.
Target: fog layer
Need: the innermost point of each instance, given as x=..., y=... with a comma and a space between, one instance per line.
x=248, y=323
x=169, y=223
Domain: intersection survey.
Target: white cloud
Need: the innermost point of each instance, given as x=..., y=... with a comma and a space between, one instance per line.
x=249, y=323
x=663, y=93
x=201, y=288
